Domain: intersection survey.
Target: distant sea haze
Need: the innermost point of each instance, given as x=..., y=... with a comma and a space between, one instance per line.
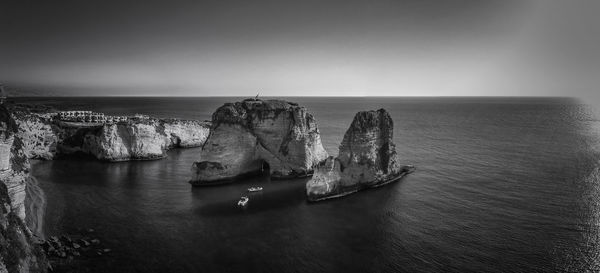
x=502, y=185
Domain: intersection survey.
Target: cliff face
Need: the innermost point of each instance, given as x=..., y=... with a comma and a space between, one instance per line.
x=367, y=152
x=253, y=136
x=143, y=140
x=18, y=253
x=131, y=140
x=121, y=142
x=186, y=133
x=367, y=158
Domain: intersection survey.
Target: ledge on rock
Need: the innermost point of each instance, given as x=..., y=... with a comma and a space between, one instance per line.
x=367, y=158
x=259, y=136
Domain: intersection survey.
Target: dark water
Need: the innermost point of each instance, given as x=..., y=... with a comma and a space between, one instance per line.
x=502, y=185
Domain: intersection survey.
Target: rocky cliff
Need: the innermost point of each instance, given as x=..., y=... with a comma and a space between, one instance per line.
x=254, y=136
x=367, y=158
x=143, y=139
x=18, y=253
x=186, y=133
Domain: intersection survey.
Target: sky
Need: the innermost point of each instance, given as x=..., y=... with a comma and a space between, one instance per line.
x=301, y=48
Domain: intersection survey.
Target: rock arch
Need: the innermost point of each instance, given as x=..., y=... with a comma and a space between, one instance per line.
x=245, y=134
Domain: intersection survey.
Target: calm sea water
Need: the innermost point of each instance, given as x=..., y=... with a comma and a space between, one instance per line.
x=502, y=185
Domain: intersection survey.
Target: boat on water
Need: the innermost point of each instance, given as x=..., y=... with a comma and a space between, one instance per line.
x=243, y=201
x=255, y=189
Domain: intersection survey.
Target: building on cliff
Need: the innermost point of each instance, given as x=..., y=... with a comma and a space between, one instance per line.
x=89, y=117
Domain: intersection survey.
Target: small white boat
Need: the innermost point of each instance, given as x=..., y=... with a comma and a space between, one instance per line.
x=243, y=201
x=255, y=189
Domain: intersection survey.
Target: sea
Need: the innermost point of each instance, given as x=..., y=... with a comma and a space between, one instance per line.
x=502, y=185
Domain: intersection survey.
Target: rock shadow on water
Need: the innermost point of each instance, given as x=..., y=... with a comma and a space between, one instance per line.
x=221, y=201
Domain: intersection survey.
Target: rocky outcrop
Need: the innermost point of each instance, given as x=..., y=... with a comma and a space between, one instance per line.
x=141, y=139
x=367, y=158
x=122, y=142
x=18, y=252
x=186, y=133
x=14, y=165
x=255, y=136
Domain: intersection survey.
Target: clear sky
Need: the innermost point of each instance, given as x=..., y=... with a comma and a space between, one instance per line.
x=292, y=48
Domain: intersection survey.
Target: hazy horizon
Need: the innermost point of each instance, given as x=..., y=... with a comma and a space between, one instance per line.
x=17, y=95
x=310, y=48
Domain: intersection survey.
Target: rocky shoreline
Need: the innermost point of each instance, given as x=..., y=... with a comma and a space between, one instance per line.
x=18, y=251
x=68, y=252
x=40, y=134
x=46, y=136
x=248, y=138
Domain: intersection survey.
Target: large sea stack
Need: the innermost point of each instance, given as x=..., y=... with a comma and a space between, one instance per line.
x=18, y=252
x=367, y=158
x=259, y=136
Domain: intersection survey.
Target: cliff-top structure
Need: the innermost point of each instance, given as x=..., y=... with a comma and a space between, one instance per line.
x=259, y=136
x=367, y=158
x=89, y=117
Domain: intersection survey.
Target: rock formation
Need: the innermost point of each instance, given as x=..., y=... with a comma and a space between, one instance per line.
x=46, y=138
x=255, y=136
x=131, y=141
x=18, y=253
x=186, y=133
x=14, y=165
x=367, y=158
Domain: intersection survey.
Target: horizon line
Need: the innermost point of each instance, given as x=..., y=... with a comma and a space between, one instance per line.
x=292, y=96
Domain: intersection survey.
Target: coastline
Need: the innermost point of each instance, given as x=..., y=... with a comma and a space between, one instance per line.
x=152, y=220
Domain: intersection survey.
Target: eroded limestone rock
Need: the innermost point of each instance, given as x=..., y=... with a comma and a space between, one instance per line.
x=254, y=136
x=46, y=138
x=367, y=158
x=19, y=252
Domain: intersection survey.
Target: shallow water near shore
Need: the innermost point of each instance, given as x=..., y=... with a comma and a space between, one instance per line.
x=502, y=184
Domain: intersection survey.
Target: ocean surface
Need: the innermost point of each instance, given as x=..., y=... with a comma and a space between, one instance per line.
x=502, y=185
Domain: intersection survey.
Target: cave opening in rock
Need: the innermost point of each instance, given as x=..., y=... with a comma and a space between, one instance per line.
x=264, y=167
